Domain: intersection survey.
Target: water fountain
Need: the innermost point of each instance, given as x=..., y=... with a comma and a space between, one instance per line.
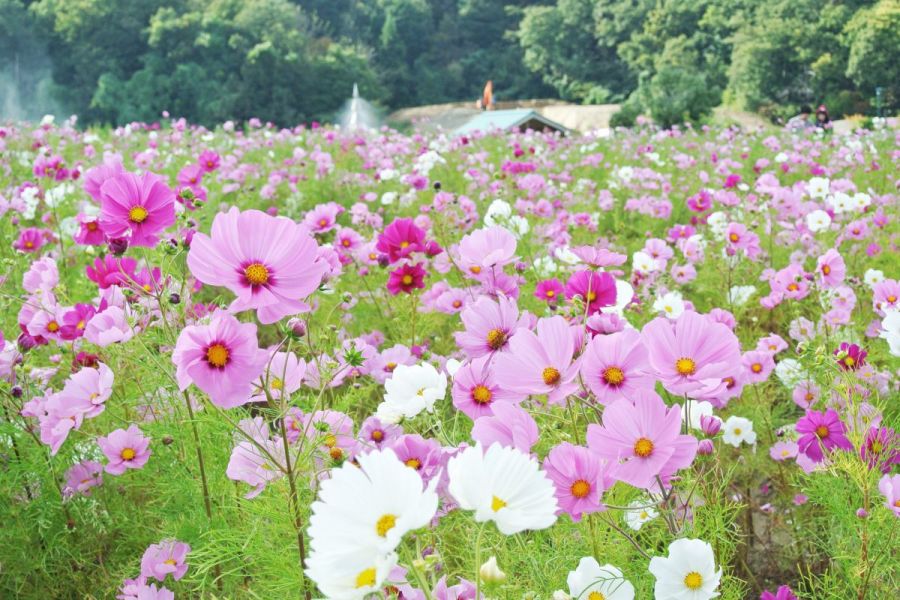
x=357, y=113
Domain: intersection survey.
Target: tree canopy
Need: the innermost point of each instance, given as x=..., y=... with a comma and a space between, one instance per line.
x=116, y=61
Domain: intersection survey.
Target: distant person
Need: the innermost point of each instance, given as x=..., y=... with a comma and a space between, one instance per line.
x=487, y=97
x=823, y=121
x=801, y=121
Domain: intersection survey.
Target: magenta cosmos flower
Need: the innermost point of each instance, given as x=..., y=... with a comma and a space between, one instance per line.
x=691, y=355
x=222, y=359
x=615, y=365
x=548, y=290
x=406, y=278
x=137, y=207
x=850, y=356
x=268, y=262
x=125, y=449
x=541, y=363
x=475, y=389
x=597, y=290
x=163, y=558
x=400, y=239
x=489, y=326
x=642, y=440
x=821, y=431
x=580, y=478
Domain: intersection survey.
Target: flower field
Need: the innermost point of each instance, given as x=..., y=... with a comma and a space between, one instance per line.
x=260, y=363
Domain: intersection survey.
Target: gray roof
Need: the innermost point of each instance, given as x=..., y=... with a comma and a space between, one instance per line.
x=508, y=119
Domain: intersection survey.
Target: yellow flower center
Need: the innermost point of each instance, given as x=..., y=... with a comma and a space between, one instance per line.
x=551, y=375
x=826, y=269
x=137, y=214
x=581, y=488
x=330, y=441
x=876, y=447
x=481, y=394
x=128, y=454
x=390, y=367
x=613, y=376
x=170, y=561
x=475, y=269
x=497, y=504
x=366, y=578
x=336, y=453
x=643, y=447
x=217, y=355
x=323, y=222
x=596, y=596
x=551, y=293
x=693, y=580
x=404, y=244
x=52, y=326
x=793, y=287
x=385, y=524
x=849, y=361
x=377, y=435
x=256, y=274
x=822, y=431
x=685, y=366
x=407, y=279
x=591, y=296
x=277, y=384
x=892, y=299
x=756, y=367
x=737, y=431
x=413, y=463
x=496, y=338
x=734, y=237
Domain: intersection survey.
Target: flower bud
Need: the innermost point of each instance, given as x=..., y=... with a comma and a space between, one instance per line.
x=706, y=447
x=490, y=572
x=117, y=246
x=710, y=425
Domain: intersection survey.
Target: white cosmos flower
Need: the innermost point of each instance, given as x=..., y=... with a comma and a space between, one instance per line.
x=840, y=202
x=624, y=295
x=643, y=262
x=890, y=331
x=388, y=198
x=739, y=294
x=818, y=187
x=371, y=506
x=696, y=409
x=387, y=174
x=861, y=201
x=351, y=575
x=565, y=254
x=718, y=222
x=490, y=572
x=503, y=485
x=410, y=390
x=670, y=305
x=499, y=209
x=452, y=366
x=738, y=430
x=818, y=220
x=545, y=266
x=641, y=511
x=790, y=372
x=688, y=573
x=781, y=157
x=590, y=581
x=873, y=277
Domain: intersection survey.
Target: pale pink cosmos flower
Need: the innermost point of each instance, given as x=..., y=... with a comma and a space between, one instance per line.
x=109, y=327
x=540, y=363
x=221, y=358
x=692, y=354
x=489, y=326
x=484, y=249
x=510, y=426
x=580, y=478
x=125, y=449
x=270, y=263
x=642, y=440
x=476, y=389
x=166, y=557
x=830, y=269
x=81, y=477
x=137, y=207
x=283, y=376
x=615, y=365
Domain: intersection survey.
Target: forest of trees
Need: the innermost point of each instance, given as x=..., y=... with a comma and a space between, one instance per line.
x=115, y=61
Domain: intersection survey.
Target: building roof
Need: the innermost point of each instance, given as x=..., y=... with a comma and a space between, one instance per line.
x=519, y=118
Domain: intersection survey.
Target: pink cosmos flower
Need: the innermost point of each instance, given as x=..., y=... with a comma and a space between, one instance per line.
x=692, y=354
x=642, y=440
x=109, y=327
x=509, y=426
x=615, y=365
x=850, y=357
x=125, y=449
x=580, y=478
x=282, y=377
x=820, y=432
x=782, y=593
x=489, y=326
x=95, y=177
x=166, y=557
x=251, y=463
x=475, y=389
x=268, y=262
x=88, y=388
x=758, y=365
x=886, y=296
x=400, y=239
x=542, y=363
x=889, y=486
x=137, y=207
x=221, y=358
x=41, y=275
x=880, y=449
x=831, y=269
x=739, y=238
x=112, y=270
x=595, y=256
x=30, y=240
x=81, y=477
x=422, y=455
x=772, y=343
x=373, y=434
x=549, y=290
x=784, y=450
x=805, y=394
x=596, y=290
x=209, y=161
x=406, y=278
x=384, y=364
x=323, y=217
x=484, y=249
